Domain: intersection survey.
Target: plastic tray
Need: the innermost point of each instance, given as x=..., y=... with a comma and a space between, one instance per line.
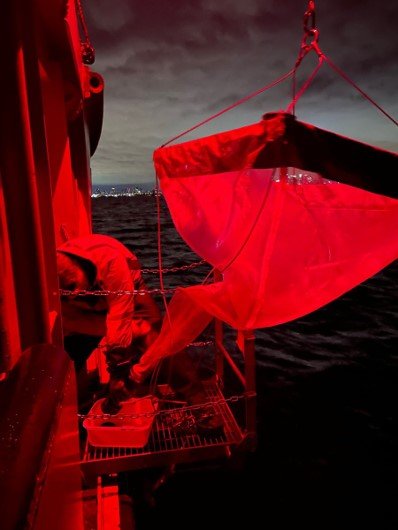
x=118, y=430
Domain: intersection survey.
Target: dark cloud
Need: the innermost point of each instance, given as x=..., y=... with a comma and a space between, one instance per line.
x=170, y=64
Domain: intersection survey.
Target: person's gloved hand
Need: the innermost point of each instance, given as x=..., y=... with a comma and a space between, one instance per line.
x=118, y=392
x=109, y=406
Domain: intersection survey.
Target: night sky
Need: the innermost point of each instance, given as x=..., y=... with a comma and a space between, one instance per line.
x=169, y=64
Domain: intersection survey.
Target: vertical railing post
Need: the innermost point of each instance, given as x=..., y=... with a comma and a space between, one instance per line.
x=250, y=376
x=218, y=338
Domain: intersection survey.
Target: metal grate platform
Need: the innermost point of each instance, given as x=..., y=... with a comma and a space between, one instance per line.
x=168, y=444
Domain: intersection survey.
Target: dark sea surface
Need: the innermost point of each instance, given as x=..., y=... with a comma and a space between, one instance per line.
x=327, y=454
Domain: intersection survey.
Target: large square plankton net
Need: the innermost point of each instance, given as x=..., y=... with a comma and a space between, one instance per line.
x=291, y=215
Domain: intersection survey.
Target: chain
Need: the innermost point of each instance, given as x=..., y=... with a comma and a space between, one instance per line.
x=105, y=292
x=199, y=344
x=188, y=408
x=88, y=51
x=309, y=17
x=310, y=32
x=175, y=269
x=139, y=292
x=202, y=344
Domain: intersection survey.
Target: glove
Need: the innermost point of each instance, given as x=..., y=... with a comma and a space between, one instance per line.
x=118, y=392
x=109, y=406
x=136, y=376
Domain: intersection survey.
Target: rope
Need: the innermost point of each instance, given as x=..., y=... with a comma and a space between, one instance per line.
x=156, y=371
x=294, y=89
x=372, y=101
x=230, y=107
x=254, y=224
x=322, y=57
x=159, y=245
x=292, y=104
x=310, y=31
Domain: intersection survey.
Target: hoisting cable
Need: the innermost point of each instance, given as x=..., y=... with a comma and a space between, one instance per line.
x=292, y=104
x=230, y=107
x=311, y=31
x=366, y=96
x=87, y=49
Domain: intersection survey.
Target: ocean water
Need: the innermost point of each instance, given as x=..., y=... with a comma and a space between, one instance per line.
x=327, y=385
